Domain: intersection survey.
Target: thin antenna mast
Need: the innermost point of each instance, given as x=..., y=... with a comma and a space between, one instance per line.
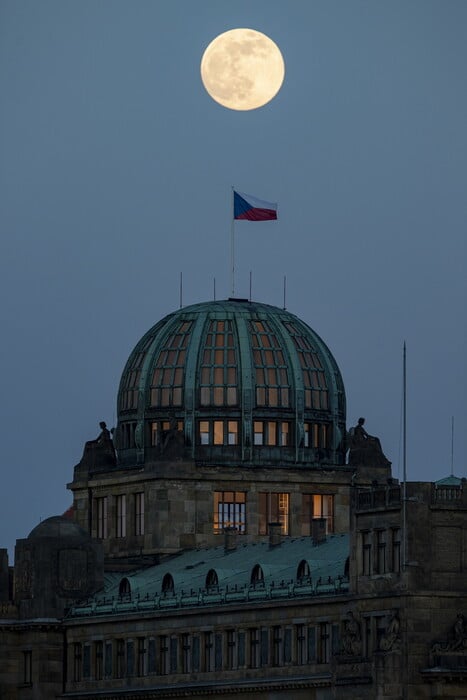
x=285, y=290
x=404, y=461
x=251, y=278
x=214, y=289
x=452, y=445
x=181, y=289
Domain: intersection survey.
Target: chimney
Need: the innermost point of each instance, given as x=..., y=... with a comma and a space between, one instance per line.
x=230, y=539
x=275, y=534
x=318, y=530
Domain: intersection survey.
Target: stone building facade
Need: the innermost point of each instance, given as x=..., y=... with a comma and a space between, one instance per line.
x=232, y=537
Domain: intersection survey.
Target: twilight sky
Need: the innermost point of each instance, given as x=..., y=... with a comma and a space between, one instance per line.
x=115, y=176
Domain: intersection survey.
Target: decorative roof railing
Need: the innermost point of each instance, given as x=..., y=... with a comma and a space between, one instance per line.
x=210, y=596
x=385, y=497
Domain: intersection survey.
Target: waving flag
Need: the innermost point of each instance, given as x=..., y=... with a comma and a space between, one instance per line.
x=249, y=208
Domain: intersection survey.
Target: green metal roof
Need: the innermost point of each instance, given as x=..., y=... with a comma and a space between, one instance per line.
x=449, y=481
x=189, y=571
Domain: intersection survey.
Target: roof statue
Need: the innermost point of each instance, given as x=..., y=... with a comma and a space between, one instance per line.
x=100, y=452
x=365, y=449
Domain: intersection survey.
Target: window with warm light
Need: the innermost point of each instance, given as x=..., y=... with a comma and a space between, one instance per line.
x=229, y=511
x=271, y=374
x=317, y=506
x=218, y=376
x=218, y=432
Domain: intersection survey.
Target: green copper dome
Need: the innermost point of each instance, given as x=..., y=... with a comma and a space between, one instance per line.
x=227, y=382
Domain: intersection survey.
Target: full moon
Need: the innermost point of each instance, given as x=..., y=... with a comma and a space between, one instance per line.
x=242, y=69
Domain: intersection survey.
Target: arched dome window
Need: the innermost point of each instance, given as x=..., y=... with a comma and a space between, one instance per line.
x=168, y=376
x=219, y=377
x=168, y=584
x=272, y=382
x=257, y=575
x=212, y=579
x=303, y=571
x=124, y=590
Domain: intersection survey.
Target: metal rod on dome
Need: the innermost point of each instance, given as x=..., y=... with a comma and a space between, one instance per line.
x=181, y=289
x=214, y=289
x=251, y=278
x=285, y=290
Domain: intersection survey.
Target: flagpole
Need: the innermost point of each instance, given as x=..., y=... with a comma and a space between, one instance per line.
x=232, y=245
x=404, y=454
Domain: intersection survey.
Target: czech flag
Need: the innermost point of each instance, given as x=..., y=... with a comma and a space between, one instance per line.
x=249, y=208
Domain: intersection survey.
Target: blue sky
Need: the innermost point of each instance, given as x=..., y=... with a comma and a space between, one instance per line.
x=115, y=176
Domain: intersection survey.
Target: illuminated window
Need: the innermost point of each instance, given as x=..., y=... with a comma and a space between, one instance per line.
x=218, y=378
x=258, y=437
x=218, y=432
x=232, y=427
x=139, y=513
x=284, y=434
x=101, y=512
x=272, y=383
x=273, y=508
x=272, y=433
x=204, y=432
x=229, y=510
x=121, y=516
x=168, y=375
x=317, y=506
